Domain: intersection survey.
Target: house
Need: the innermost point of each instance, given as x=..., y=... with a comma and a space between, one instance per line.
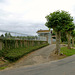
x=47, y=35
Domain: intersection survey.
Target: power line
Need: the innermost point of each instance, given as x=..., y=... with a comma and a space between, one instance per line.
x=14, y=32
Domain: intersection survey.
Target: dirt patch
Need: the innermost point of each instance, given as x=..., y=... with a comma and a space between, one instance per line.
x=3, y=62
x=39, y=59
x=54, y=56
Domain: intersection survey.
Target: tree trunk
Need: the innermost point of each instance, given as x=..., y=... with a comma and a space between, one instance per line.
x=58, y=38
x=72, y=41
x=69, y=40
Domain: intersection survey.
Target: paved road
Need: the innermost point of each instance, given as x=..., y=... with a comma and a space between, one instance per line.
x=60, y=67
x=36, y=57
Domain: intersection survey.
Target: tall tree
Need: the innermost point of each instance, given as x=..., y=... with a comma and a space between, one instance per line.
x=73, y=35
x=9, y=35
x=2, y=36
x=6, y=35
x=58, y=20
x=66, y=32
x=68, y=29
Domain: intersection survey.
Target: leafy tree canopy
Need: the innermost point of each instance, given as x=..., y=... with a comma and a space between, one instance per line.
x=69, y=27
x=58, y=20
x=8, y=35
x=2, y=35
x=73, y=33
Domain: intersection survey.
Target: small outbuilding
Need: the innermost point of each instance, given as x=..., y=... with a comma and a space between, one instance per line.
x=47, y=34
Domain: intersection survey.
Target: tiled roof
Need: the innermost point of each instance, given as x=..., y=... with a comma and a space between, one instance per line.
x=43, y=31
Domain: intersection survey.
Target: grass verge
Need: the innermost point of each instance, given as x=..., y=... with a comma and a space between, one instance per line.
x=67, y=52
x=1, y=68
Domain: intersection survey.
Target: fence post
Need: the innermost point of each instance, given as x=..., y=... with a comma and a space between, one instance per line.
x=32, y=43
x=16, y=44
x=21, y=43
x=26, y=43
x=38, y=43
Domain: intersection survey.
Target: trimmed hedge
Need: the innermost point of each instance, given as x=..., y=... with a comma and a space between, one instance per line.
x=15, y=54
x=14, y=49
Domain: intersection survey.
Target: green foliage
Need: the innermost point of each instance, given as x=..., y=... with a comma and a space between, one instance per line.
x=73, y=33
x=67, y=52
x=8, y=35
x=58, y=20
x=17, y=53
x=1, y=68
x=8, y=44
x=13, y=52
x=53, y=32
x=63, y=36
x=26, y=37
x=2, y=36
x=68, y=28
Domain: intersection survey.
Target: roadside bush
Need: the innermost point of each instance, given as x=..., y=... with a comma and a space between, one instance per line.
x=17, y=53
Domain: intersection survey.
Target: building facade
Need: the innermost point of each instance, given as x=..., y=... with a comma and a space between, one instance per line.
x=46, y=34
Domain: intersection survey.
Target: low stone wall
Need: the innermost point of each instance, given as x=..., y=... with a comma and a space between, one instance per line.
x=11, y=44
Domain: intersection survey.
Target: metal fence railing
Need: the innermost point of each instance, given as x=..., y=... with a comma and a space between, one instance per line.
x=19, y=36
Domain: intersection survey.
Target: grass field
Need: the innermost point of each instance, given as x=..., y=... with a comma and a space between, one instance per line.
x=67, y=52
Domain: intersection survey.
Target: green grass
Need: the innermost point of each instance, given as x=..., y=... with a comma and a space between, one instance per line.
x=1, y=68
x=67, y=52
x=74, y=45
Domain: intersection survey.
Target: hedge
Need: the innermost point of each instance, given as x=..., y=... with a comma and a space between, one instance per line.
x=15, y=54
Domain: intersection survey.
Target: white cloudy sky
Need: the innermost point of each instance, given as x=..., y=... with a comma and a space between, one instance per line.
x=28, y=16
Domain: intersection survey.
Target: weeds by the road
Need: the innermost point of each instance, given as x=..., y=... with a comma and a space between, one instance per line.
x=67, y=52
x=1, y=68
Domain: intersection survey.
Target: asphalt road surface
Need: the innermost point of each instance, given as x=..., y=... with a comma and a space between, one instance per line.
x=64, y=66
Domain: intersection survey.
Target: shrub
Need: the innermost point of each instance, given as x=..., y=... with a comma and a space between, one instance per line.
x=17, y=53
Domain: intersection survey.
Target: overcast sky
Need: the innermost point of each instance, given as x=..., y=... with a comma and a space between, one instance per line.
x=28, y=16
